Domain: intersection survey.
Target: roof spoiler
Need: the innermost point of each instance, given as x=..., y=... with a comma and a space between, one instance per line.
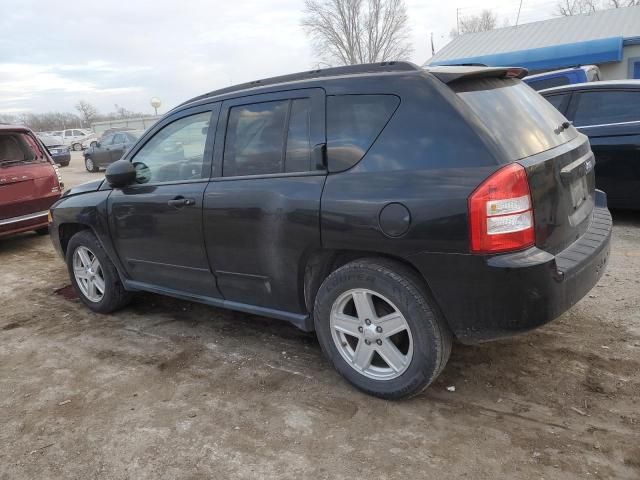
x=449, y=74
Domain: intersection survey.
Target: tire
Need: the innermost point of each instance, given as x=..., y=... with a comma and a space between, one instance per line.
x=77, y=147
x=42, y=231
x=65, y=164
x=90, y=165
x=114, y=296
x=424, y=345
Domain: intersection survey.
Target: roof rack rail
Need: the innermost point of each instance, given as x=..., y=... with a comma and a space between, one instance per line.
x=326, y=72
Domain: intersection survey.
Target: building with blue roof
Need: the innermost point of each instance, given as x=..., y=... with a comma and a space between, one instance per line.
x=609, y=39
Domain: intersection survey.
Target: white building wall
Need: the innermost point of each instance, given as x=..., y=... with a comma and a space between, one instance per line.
x=620, y=70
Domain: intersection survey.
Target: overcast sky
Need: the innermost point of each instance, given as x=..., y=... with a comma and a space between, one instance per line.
x=53, y=54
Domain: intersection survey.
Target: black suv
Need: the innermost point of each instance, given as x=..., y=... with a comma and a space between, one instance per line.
x=387, y=207
x=609, y=114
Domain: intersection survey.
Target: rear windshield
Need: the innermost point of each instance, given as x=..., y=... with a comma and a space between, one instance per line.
x=17, y=148
x=521, y=121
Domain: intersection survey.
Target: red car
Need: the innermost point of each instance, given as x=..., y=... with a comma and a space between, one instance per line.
x=29, y=181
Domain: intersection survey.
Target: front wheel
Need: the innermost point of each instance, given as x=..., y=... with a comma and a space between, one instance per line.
x=93, y=275
x=378, y=327
x=90, y=165
x=77, y=147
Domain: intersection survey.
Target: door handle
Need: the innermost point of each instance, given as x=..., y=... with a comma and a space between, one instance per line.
x=179, y=202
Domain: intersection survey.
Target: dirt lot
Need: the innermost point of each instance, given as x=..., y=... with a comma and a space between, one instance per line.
x=170, y=389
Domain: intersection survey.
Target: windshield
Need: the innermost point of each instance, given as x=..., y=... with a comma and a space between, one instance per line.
x=518, y=118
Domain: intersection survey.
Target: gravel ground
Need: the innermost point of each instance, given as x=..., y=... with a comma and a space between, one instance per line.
x=170, y=389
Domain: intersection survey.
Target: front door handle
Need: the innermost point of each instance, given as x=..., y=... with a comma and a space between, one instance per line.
x=180, y=202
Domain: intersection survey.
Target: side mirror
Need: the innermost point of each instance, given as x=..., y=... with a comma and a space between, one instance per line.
x=94, y=144
x=120, y=174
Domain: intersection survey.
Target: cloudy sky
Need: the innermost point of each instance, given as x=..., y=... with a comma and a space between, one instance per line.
x=53, y=54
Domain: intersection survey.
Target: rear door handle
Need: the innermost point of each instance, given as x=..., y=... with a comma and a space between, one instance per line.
x=179, y=202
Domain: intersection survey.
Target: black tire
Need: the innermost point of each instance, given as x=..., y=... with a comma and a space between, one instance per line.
x=65, y=164
x=90, y=165
x=42, y=231
x=115, y=296
x=431, y=336
x=77, y=147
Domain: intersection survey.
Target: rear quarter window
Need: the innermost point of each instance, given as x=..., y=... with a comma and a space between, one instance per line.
x=602, y=107
x=353, y=124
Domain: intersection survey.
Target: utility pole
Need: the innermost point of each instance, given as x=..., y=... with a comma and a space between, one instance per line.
x=458, y=20
x=518, y=17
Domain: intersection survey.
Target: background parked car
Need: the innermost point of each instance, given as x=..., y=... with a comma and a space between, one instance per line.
x=609, y=114
x=109, y=148
x=566, y=76
x=29, y=182
x=58, y=151
x=77, y=138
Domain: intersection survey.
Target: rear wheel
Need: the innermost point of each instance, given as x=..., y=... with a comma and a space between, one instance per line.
x=93, y=275
x=90, y=165
x=376, y=324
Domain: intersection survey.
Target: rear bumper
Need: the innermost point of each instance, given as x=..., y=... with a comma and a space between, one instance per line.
x=486, y=298
x=62, y=158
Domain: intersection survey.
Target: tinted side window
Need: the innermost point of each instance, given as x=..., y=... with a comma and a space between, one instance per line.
x=548, y=82
x=598, y=108
x=108, y=140
x=176, y=152
x=254, y=139
x=119, y=138
x=298, y=155
x=558, y=101
x=353, y=124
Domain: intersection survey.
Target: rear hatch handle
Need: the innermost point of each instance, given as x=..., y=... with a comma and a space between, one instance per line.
x=578, y=168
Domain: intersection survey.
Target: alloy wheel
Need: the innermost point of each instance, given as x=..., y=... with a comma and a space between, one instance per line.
x=371, y=334
x=88, y=274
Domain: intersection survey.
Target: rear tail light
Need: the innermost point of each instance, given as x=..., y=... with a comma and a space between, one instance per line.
x=500, y=212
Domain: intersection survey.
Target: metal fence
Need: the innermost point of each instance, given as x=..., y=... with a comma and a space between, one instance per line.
x=133, y=123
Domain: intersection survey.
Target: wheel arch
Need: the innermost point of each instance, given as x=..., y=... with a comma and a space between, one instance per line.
x=321, y=263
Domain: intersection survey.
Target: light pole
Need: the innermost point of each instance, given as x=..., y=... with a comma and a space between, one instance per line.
x=155, y=103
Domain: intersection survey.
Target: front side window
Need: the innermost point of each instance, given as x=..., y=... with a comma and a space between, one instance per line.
x=78, y=133
x=601, y=107
x=108, y=140
x=119, y=138
x=175, y=153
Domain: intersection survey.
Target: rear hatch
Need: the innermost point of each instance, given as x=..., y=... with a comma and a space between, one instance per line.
x=523, y=127
x=28, y=181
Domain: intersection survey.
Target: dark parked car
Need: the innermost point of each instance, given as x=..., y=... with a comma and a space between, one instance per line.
x=387, y=207
x=29, y=182
x=109, y=148
x=58, y=151
x=608, y=113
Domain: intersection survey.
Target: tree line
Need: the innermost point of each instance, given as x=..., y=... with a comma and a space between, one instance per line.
x=53, y=121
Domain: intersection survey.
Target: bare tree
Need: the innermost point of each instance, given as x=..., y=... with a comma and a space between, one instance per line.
x=621, y=3
x=484, y=21
x=568, y=8
x=88, y=112
x=348, y=32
